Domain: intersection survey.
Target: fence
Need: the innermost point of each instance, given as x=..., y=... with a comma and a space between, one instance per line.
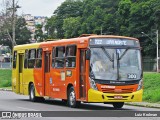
x=6, y=65
x=149, y=64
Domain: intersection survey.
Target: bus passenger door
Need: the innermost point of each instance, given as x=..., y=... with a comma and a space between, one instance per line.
x=21, y=58
x=46, y=72
x=82, y=76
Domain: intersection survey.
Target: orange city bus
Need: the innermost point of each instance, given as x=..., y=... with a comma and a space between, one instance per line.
x=90, y=69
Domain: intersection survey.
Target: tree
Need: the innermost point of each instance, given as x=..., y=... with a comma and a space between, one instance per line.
x=6, y=24
x=119, y=17
x=39, y=33
x=69, y=8
x=23, y=35
x=71, y=26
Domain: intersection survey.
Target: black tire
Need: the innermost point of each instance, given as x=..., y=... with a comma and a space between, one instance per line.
x=118, y=105
x=65, y=101
x=72, y=98
x=32, y=96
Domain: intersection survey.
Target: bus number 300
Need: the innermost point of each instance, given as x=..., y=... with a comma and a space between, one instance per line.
x=132, y=76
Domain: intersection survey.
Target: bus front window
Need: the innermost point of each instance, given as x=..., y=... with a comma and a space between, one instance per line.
x=130, y=64
x=115, y=64
x=102, y=65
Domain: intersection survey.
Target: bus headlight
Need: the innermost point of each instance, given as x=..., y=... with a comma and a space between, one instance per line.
x=140, y=85
x=92, y=84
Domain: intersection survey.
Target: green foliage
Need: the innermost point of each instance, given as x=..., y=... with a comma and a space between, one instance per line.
x=71, y=25
x=5, y=79
x=69, y=8
x=151, y=87
x=39, y=36
x=23, y=35
x=119, y=17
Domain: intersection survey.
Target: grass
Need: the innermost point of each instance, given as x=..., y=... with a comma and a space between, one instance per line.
x=151, y=87
x=5, y=77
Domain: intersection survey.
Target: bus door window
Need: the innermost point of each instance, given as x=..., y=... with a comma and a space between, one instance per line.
x=14, y=59
x=53, y=58
x=47, y=62
x=39, y=58
x=21, y=63
x=26, y=59
x=82, y=74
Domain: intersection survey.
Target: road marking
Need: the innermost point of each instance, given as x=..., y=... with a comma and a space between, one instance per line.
x=27, y=109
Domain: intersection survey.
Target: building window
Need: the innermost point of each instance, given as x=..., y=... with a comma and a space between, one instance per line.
x=26, y=59
x=39, y=58
x=14, y=59
x=31, y=58
x=60, y=57
x=71, y=56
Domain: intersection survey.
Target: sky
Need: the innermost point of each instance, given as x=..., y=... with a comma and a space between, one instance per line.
x=38, y=7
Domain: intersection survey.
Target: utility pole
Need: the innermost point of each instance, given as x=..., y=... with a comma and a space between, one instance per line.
x=101, y=30
x=157, y=52
x=13, y=24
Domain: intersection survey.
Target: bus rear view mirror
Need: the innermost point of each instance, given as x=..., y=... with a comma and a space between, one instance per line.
x=88, y=54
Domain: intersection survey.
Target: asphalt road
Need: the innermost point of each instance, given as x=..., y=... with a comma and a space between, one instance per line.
x=10, y=101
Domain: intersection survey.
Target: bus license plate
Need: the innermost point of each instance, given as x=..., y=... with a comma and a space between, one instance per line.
x=118, y=97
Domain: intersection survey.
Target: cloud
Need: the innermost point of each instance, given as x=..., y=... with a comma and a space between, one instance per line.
x=39, y=7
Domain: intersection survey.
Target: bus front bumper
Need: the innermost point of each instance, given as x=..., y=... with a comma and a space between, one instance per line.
x=97, y=96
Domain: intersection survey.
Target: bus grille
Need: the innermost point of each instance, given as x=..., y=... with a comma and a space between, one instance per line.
x=109, y=90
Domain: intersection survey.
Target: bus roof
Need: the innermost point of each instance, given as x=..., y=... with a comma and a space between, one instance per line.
x=70, y=40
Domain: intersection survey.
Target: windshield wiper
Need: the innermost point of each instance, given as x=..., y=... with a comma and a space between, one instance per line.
x=119, y=58
x=107, y=54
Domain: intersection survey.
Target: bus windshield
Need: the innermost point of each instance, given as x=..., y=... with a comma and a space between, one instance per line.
x=115, y=64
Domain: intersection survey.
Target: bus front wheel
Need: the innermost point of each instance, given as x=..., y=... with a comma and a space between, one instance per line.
x=72, y=98
x=118, y=105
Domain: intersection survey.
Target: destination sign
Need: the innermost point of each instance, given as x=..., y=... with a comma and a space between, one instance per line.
x=113, y=42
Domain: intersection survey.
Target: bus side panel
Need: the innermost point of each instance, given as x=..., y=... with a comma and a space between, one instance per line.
x=57, y=83
x=27, y=78
x=38, y=80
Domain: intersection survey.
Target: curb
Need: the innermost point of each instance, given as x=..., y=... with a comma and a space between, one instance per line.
x=144, y=104
x=3, y=89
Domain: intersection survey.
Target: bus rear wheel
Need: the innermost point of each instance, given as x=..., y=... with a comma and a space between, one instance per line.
x=32, y=96
x=72, y=98
x=118, y=105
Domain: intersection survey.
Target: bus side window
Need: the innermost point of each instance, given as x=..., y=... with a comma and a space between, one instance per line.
x=60, y=55
x=14, y=59
x=71, y=56
x=53, y=57
x=31, y=58
x=39, y=58
x=26, y=59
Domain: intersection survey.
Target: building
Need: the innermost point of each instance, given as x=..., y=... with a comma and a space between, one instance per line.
x=32, y=21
